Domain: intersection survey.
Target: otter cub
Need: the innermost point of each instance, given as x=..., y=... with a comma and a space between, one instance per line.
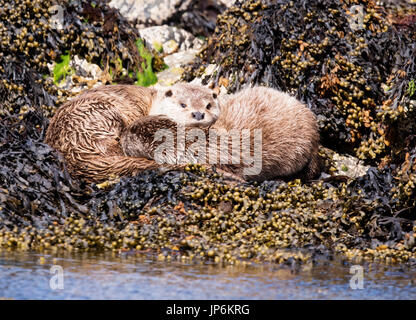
x=288, y=130
x=87, y=129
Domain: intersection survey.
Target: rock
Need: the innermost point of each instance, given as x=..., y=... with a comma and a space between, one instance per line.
x=84, y=75
x=85, y=69
x=210, y=69
x=150, y=12
x=349, y=166
x=175, y=62
x=227, y=3
x=196, y=16
x=170, y=39
x=170, y=47
x=180, y=58
x=170, y=76
x=56, y=20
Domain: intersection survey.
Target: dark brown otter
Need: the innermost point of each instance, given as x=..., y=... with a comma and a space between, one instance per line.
x=86, y=129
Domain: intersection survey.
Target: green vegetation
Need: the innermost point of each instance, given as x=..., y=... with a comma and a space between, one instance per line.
x=411, y=89
x=158, y=46
x=62, y=69
x=147, y=77
x=116, y=67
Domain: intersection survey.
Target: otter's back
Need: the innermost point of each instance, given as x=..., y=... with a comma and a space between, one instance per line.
x=289, y=128
x=90, y=123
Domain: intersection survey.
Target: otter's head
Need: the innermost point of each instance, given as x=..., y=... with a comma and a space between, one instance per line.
x=187, y=104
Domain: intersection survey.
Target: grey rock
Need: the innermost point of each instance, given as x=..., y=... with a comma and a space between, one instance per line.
x=227, y=3
x=84, y=75
x=180, y=58
x=175, y=62
x=171, y=39
x=150, y=12
x=349, y=166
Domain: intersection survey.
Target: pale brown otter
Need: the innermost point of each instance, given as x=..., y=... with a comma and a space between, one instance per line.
x=289, y=137
x=86, y=129
x=290, y=134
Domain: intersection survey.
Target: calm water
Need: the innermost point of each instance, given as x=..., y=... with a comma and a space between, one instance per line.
x=108, y=276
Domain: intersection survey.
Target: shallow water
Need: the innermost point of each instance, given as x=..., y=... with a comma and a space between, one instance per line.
x=113, y=276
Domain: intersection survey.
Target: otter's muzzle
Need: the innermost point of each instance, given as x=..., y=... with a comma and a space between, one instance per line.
x=198, y=115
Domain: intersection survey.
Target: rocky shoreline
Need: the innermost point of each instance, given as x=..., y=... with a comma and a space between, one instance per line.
x=363, y=205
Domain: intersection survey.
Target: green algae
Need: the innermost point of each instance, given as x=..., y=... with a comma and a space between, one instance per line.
x=62, y=69
x=146, y=76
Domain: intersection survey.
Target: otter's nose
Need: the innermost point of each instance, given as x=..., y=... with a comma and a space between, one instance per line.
x=198, y=115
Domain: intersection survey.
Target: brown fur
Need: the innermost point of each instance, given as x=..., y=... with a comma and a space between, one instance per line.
x=137, y=140
x=86, y=131
x=289, y=131
x=290, y=137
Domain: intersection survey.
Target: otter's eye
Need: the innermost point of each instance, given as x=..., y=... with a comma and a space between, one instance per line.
x=208, y=106
x=183, y=105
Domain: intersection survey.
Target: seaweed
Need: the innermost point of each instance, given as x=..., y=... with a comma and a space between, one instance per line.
x=319, y=52
x=39, y=33
x=307, y=48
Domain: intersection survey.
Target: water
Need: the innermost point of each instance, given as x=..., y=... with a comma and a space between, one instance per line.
x=113, y=276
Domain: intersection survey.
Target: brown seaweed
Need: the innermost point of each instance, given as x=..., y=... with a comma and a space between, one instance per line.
x=196, y=214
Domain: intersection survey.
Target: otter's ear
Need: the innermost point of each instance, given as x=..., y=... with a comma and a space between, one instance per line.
x=214, y=95
x=168, y=93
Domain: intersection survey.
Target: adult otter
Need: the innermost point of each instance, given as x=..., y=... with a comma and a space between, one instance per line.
x=86, y=129
x=289, y=133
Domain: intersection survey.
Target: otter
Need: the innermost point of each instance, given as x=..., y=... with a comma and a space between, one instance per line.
x=289, y=136
x=86, y=130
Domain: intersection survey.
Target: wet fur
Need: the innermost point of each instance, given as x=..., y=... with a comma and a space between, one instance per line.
x=86, y=131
